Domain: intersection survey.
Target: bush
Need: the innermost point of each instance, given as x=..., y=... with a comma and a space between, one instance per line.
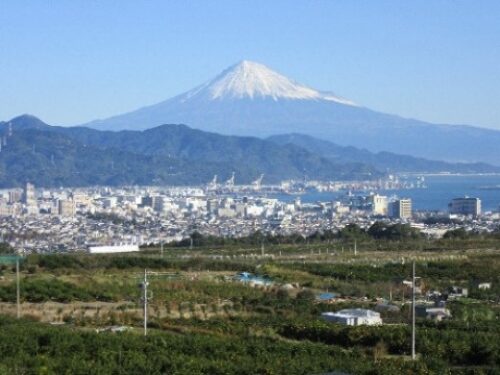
x=306, y=295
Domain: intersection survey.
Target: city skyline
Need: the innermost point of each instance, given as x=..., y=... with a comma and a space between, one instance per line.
x=145, y=215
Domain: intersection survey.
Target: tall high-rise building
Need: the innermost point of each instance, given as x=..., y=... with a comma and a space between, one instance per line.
x=29, y=195
x=158, y=204
x=15, y=196
x=465, y=206
x=401, y=209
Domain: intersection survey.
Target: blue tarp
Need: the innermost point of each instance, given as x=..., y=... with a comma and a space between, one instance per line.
x=326, y=296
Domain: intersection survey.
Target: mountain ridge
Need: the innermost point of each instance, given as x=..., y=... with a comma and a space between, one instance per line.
x=168, y=154
x=178, y=154
x=338, y=121
x=384, y=161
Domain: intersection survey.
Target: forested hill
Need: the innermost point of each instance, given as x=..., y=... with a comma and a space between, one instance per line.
x=169, y=154
x=51, y=159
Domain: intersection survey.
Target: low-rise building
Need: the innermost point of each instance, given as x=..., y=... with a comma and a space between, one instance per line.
x=353, y=317
x=484, y=286
x=113, y=249
x=432, y=312
x=458, y=292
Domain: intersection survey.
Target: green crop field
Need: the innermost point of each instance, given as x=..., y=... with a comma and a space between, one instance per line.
x=203, y=320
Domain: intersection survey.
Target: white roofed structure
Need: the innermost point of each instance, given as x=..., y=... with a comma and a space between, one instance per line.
x=113, y=249
x=353, y=317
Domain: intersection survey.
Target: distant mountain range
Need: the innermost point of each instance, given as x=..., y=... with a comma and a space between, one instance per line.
x=179, y=155
x=388, y=162
x=249, y=99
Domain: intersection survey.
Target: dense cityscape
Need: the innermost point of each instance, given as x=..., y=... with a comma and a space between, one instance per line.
x=70, y=219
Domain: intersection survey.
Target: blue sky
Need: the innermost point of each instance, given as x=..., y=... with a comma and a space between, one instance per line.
x=71, y=61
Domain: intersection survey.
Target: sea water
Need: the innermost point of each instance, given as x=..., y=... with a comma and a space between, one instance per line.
x=441, y=189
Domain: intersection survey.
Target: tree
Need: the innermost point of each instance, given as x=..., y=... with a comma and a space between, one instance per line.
x=5, y=248
x=306, y=295
x=459, y=233
x=395, y=232
x=282, y=295
x=352, y=232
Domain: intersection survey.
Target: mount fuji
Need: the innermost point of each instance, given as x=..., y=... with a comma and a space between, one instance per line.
x=251, y=99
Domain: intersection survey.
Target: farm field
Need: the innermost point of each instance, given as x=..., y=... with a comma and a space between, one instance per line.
x=204, y=317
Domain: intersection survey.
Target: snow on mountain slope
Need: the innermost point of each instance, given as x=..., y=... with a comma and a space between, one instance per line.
x=251, y=80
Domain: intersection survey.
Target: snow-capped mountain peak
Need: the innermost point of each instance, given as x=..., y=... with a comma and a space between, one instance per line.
x=249, y=79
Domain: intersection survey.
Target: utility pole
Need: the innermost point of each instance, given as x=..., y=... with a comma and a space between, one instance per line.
x=18, y=290
x=413, y=356
x=162, y=249
x=355, y=248
x=144, y=286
